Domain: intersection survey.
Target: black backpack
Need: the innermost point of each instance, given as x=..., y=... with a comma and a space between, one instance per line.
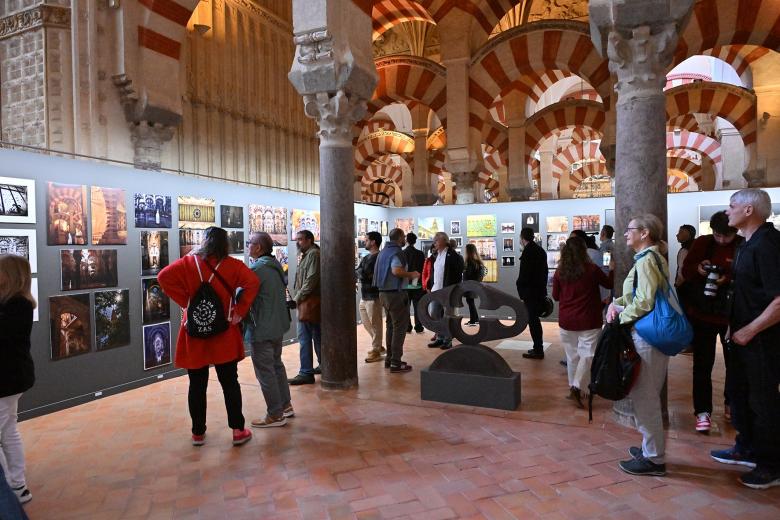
x=615, y=365
x=205, y=313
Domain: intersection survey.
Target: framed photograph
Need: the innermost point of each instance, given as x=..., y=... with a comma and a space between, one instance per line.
x=153, y=211
x=112, y=319
x=34, y=291
x=66, y=214
x=406, y=224
x=17, y=200
x=556, y=240
x=454, y=227
x=362, y=227
x=196, y=212
x=157, y=345
x=270, y=219
x=486, y=247
x=481, y=226
x=20, y=242
x=508, y=227
x=190, y=239
x=384, y=228
x=538, y=239
x=705, y=214
x=492, y=271
x=373, y=225
x=507, y=261
x=360, y=242
x=109, y=216
x=156, y=304
x=154, y=252
x=587, y=223
x=306, y=219
x=280, y=252
x=553, y=259
x=429, y=226
x=458, y=242
x=88, y=269
x=530, y=220
x=231, y=217
x=70, y=325
x=557, y=224
x=236, y=242
x=509, y=244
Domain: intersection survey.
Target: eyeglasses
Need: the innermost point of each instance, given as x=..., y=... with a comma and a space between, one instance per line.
x=249, y=243
x=632, y=229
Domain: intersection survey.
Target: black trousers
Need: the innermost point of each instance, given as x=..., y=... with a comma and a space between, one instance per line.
x=414, y=298
x=473, y=314
x=535, y=324
x=755, y=396
x=199, y=381
x=704, y=343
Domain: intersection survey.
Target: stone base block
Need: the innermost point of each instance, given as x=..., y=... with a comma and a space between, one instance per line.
x=502, y=393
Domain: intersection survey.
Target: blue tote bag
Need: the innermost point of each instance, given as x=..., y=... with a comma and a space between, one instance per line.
x=665, y=327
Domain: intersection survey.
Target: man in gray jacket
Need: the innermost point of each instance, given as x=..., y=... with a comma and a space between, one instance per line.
x=264, y=328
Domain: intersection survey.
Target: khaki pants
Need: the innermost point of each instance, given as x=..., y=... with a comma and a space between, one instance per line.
x=580, y=345
x=371, y=316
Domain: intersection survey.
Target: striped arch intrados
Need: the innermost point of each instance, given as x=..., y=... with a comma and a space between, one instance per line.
x=387, y=14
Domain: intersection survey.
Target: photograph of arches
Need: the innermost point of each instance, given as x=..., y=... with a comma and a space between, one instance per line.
x=486, y=247
x=587, y=223
x=190, y=239
x=271, y=220
x=109, y=216
x=306, y=219
x=492, y=271
x=20, y=242
x=429, y=226
x=157, y=345
x=153, y=211
x=481, y=226
x=557, y=224
x=362, y=227
x=156, y=304
x=406, y=224
x=196, y=212
x=236, y=242
x=112, y=319
x=154, y=252
x=280, y=252
x=88, y=268
x=231, y=217
x=66, y=214
x=17, y=200
x=70, y=325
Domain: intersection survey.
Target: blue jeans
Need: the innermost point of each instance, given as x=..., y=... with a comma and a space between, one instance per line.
x=308, y=332
x=10, y=508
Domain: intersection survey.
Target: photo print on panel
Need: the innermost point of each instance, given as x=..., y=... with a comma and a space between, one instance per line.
x=70, y=325
x=306, y=219
x=17, y=200
x=196, y=212
x=153, y=211
x=112, y=319
x=154, y=252
x=109, y=216
x=362, y=227
x=454, y=227
x=271, y=220
x=429, y=226
x=20, y=242
x=407, y=224
x=156, y=304
x=481, y=226
x=557, y=224
x=236, y=242
x=486, y=247
x=88, y=268
x=587, y=223
x=231, y=217
x=66, y=214
x=190, y=239
x=157, y=345
x=280, y=252
x=530, y=220
x=507, y=227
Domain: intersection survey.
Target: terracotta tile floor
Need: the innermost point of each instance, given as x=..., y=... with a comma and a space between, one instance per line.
x=379, y=452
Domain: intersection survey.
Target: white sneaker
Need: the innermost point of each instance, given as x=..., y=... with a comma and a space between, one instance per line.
x=703, y=422
x=23, y=494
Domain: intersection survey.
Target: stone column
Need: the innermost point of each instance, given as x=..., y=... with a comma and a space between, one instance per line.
x=334, y=72
x=549, y=188
x=421, y=178
x=639, y=38
x=517, y=169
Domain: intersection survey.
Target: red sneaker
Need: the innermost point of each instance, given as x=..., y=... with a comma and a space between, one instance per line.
x=198, y=440
x=241, y=436
x=703, y=423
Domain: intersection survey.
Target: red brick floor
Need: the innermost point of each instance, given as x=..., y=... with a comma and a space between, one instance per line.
x=379, y=452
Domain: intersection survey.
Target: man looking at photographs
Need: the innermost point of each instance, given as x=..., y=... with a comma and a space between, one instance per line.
x=370, y=307
x=532, y=288
x=306, y=292
x=415, y=259
x=446, y=270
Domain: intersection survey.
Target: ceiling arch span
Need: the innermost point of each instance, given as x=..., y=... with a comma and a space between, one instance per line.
x=561, y=116
x=575, y=153
x=741, y=58
x=697, y=142
x=386, y=14
x=381, y=143
x=676, y=181
x=685, y=165
x=590, y=169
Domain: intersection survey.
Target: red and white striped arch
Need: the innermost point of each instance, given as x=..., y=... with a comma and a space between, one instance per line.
x=584, y=133
x=379, y=144
x=410, y=78
x=561, y=116
x=676, y=181
x=734, y=104
x=587, y=170
x=697, y=142
x=688, y=167
x=574, y=153
x=715, y=23
x=386, y=14
x=377, y=198
x=436, y=162
x=492, y=159
x=531, y=49
x=741, y=57
x=385, y=171
x=162, y=25
x=684, y=123
x=533, y=85
x=437, y=140
x=379, y=123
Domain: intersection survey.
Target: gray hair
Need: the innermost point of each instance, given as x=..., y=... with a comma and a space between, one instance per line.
x=651, y=224
x=441, y=235
x=263, y=240
x=759, y=199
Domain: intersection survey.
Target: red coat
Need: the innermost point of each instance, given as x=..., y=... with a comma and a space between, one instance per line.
x=426, y=272
x=180, y=281
x=580, y=300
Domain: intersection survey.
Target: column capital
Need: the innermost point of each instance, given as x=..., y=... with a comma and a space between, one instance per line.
x=148, y=139
x=335, y=114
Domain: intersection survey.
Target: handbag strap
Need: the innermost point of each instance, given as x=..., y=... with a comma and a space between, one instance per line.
x=230, y=290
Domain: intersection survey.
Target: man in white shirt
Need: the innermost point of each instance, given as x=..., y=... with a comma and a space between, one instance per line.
x=447, y=269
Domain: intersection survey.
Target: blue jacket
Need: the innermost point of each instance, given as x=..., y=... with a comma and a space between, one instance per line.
x=270, y=312
x=382, y=269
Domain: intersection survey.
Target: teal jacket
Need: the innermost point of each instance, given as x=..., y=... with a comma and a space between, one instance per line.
x=271, y=316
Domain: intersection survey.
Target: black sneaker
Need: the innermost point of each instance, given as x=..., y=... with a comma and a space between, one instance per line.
x=302, y=379
x=435, y=343
x=760, y=478
x=733, y=456
x=642, y=466
x=23, y=494
x=563, y=363
x=318, y=371
x=635, y=452
x=533, y=354
x=446, y=345
x=402, y=367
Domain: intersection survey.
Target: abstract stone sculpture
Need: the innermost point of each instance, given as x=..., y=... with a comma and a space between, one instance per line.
x=471, y=374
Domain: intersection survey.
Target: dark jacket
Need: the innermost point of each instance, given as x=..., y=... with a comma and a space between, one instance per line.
x=473, y=271
x=415, y=259
x=269, y=309
x=365, y=275
x=453, y=268
x=17, y=372
x=532, y=278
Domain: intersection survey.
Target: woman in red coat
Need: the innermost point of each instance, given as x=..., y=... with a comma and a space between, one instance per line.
x=224, y=350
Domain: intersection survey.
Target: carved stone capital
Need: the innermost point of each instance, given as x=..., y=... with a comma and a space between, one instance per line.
x=41, y=15
x=148, y=140
x=755, y=178
x=640, y=60
x=335, y=114
x=520, y=193
x=464, y=183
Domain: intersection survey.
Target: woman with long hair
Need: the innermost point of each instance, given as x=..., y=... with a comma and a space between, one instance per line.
x=474, y=270
x=181, y=281
x=576, y=287
x=649, y=274
x=17, y=372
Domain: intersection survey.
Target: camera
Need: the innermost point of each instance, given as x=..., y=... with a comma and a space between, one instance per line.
x=711, y=285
